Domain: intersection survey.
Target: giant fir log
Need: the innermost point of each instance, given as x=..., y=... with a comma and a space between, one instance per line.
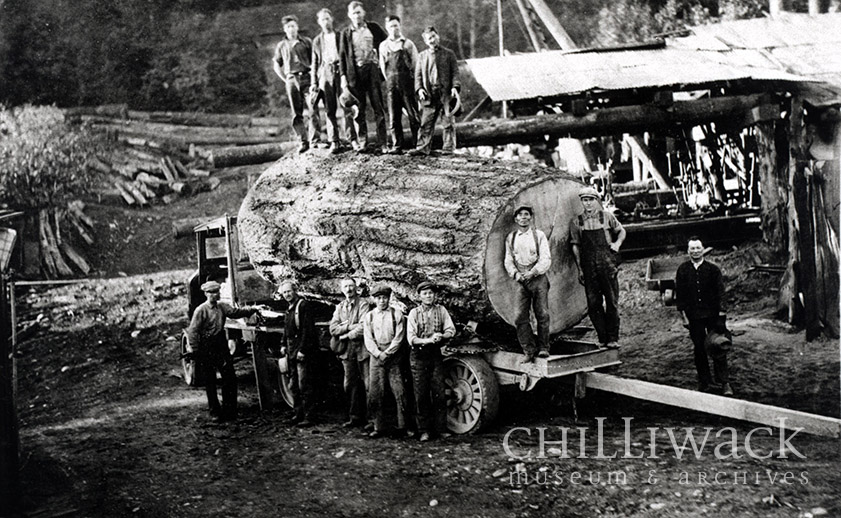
x=401, y=220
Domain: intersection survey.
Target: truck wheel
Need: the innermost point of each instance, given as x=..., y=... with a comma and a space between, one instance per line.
x=284, y=383
x=192, y=374
x=473, y=400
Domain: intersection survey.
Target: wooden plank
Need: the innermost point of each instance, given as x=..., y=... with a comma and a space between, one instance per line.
x=716, y=405
x=261, y=375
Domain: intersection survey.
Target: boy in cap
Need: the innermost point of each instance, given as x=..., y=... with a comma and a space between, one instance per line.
x=596, y=237
x=291, y=63
x=427, y=328
x=385, y=332
x=210, y=348
x=436, y=83
x=346, y=329
x=527, y=259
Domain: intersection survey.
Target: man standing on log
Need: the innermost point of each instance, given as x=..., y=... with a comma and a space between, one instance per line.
x=385, y=333
x=596, y=237
x=210, y=349
x=527, y=259
x=326, y=79
x=291, y=63
x=398, y=56
x=436, y=84
x=300, y=345
x=427, y=328
x=358, y=44
x=346, y=330
x=699, y=293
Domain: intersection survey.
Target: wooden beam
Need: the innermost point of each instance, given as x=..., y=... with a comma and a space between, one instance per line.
x=622, y=119
x=641, y=151
x=555, y=28
x=716, y=405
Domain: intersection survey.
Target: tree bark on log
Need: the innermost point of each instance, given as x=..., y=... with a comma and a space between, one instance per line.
x=402, y=220
x=245, y=155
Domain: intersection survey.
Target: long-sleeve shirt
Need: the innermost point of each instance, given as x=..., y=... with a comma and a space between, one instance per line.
x=524, y=256
x=389, y=46
x=347, y=52
x=300, y=333
x=699, y=291
x=384, y=331
x=424, y=321
x=347, y=319
x=208, y=321
x=437, y=69
x=325, y=57
x=293, y=57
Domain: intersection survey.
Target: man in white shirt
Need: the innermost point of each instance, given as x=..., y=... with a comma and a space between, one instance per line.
x=527, y=259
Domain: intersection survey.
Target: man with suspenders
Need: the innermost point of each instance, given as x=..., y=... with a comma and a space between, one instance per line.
x=398, y=56
x=527, y=259
x=596, y=237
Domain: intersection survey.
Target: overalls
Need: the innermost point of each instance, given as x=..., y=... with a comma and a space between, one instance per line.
x=399, y=95
x=599, y=264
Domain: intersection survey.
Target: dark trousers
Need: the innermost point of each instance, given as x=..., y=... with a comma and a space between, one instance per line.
x=698, y=330
x=382, y=373
x=218, y=359
x=428, y=379
x=331, y=91
x=601, y=285
x=437, y=104
x=302, y=117
x=369, y=86
x=399, y=95
x=302, y=387
x=533, y=294
x=356, y=385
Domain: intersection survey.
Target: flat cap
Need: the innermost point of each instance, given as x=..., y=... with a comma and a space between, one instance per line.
x=211, y=286
x=426, y=285
x=381, y=290
x=588, y=192
x=524, y=207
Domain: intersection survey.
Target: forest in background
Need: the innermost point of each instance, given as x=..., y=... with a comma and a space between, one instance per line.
x=211, y=56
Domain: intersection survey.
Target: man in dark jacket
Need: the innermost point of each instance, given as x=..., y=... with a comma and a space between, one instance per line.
x=436, y=84
x=300, y=347
x=359, y=64
x=346, y=329
x=699, y=291
x=326, y=79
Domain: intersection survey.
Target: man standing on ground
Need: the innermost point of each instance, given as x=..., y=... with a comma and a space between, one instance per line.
x=427, y=328
x=385, y=332
x=398, y=56
x=358, y=44
x=596, y=237
x=291, y=63
x=326, y=79
x=436, y=83
x=346, y=328
x=527, y=259
x=699, y=294
x=210, y=349
x=300, y=345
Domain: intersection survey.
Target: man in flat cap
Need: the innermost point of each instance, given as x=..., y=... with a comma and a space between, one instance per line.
x=527, y=259
x=346, y=330
x=300, y=344
x=385, y=333
x=596, y=237
x=428, y=328
x=210, y=348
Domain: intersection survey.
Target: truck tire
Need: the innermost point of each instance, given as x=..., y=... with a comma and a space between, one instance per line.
x=473, y=394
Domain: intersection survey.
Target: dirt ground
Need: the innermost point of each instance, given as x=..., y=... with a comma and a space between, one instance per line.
x=109, y=428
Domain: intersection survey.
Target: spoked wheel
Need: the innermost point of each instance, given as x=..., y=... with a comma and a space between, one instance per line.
x=284, y=383
x=192, y=372
x=474, y=394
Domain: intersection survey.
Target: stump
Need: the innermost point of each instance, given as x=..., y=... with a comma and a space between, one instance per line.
x=400, y=220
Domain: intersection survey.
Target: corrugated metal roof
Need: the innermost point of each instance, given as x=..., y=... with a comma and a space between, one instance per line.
x=792, y=47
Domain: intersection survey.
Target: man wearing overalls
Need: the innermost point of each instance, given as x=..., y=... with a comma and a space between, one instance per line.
x=527, y=259
x=291, y=63
x=398, y=56
x=596, y=237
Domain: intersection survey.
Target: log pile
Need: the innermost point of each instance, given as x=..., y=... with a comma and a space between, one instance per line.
x=401, y=220
x=56, y=229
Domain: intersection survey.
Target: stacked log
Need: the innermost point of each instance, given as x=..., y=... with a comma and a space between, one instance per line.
x=56, y=252
x=402, y=220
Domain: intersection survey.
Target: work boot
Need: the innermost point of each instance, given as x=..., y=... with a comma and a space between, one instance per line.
x=335, y=148
x=353, y=423
x=425, y=437
x=376, y=434
x=728, y=390
x=418, y=152
x=304, y=147
x=528, y=358
x=543, y=354
x=356, y=146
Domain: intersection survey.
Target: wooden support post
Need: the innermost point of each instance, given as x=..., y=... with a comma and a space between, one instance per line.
x=9, y=437
x=716, y=405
